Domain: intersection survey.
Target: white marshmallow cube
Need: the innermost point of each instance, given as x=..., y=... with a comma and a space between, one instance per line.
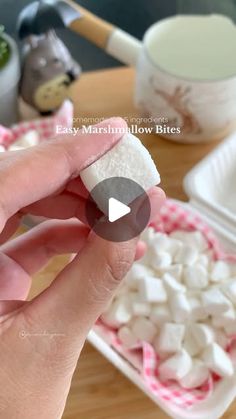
x=198, y=312
x=179, y=235
x=140, y=308
x=196, y=239
x=203, y=260
x=160, y=314
x=170, y=338
x=203, y=334
x=159, y=260
x=2, y=149
x=229, y=289
x=217, y=360
x=148, y=235
x=190, y=344
x=196, y=377
x=196, y=276
x=118, y=313
x=230, y=329
x=187, y=255
x=180, y=307
x=129, y=159
x=191, y=238
x=161, y=242
x=174, y=270
x=174, y=246
x=144, y=329
x=221, y=338
x=224, y=319
x=127, y=337
x=136, y=272
x=220, y=271
x=152, y=290
x=176, y=367
x=233, y=269
x=172, y=286
x=215, y=302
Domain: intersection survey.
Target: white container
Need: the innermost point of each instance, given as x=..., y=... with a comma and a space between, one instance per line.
x=212, y=206
x=9, y=79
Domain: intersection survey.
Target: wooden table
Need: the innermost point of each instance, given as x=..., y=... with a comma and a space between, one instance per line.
x=98, y=390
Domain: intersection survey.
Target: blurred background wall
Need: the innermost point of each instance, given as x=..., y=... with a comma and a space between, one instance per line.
x=135, y=16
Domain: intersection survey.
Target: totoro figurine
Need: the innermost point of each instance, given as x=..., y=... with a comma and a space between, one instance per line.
x=47, y=73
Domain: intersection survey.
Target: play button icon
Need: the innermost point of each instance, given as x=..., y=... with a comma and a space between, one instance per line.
x=118, y=209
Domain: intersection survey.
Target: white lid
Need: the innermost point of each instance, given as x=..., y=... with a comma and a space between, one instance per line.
x=211, y=185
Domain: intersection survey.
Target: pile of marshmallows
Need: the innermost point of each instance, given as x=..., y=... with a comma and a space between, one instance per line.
x=183, y=303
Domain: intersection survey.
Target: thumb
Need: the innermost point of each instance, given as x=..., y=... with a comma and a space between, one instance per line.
x=82, y=290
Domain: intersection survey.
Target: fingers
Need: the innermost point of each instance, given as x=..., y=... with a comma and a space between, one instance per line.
x=42, y=170
x=14, y=281
x=83, y=289
x=62, y=207
x=10, y=228
x=34, y=249
x=9, y=307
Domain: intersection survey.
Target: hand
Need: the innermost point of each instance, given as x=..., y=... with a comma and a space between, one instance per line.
x=36, y=369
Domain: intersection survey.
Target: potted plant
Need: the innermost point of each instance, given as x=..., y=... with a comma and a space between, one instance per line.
x=9, y=78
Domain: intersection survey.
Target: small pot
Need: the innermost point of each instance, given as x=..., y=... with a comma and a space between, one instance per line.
x=189, y=107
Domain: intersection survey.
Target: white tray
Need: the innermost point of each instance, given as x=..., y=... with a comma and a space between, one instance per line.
x=199, y=184
x=211, y=185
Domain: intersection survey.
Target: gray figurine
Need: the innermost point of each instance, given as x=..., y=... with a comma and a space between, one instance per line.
x=47, y=73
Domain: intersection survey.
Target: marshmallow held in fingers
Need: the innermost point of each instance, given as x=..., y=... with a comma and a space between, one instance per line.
x=128, y=159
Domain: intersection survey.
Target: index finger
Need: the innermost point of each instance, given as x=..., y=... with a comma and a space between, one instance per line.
x=30, y=175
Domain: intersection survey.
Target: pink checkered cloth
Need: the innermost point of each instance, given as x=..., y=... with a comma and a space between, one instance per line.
x=172, y=217
x=46, y=127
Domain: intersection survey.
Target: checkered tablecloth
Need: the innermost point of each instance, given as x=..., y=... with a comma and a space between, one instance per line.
x=46, y=127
